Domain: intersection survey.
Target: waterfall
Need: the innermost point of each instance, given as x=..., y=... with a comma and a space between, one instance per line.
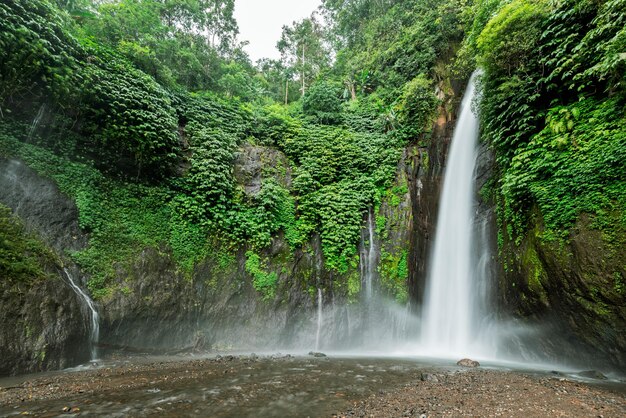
x=319, y=318
x=368, y=256
x=451, y=303
x=95, y=324
x=35, y=123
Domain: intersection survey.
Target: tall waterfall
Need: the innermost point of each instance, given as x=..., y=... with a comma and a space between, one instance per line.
x=450, y=302
x=93, y=315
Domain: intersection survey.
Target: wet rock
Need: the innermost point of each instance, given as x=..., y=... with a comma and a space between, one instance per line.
x=592, y=374
x=467, y=363
x=316, y=354
x=429, y=377
x=251, y=167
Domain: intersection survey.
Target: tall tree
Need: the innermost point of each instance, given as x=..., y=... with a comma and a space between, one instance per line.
x=302, y=47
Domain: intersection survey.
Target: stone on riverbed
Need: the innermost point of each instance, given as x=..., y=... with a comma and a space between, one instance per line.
x=467, y=363
x=592, y=374
x=429, y=377
x=316, y=354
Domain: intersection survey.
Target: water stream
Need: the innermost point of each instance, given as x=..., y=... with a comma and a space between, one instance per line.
x=35, y=124
x=368, y=256
x=93, y=315
x=320, y=303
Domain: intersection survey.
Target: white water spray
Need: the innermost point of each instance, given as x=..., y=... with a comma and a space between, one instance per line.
x=95, y=323
x=450, y=303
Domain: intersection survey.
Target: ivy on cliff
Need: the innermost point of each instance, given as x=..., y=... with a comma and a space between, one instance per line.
x=552, y=107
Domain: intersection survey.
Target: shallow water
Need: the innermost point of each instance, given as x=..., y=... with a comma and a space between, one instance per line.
x=265, y=387
x=243, y=386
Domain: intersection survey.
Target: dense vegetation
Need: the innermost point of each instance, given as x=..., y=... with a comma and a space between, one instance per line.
x=23, y=257
x=554, y=101
x=140, y=109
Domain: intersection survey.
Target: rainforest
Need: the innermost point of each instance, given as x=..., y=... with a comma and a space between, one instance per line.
x=326, y=233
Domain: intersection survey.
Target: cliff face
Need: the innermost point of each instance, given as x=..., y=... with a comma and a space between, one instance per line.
x=577, y=285
x=42, y=321
x=157, y=307
x=42, y=326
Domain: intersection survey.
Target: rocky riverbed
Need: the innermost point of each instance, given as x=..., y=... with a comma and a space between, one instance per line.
x=306, y=386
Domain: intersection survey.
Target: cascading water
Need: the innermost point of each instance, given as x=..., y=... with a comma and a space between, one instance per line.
x=451, y=301
x=95, y=322
x=368, y=256
x=36, y=121
x=320, y=304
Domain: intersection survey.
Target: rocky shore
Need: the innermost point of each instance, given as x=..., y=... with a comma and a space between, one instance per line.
x=492, y=393
x=308, y=386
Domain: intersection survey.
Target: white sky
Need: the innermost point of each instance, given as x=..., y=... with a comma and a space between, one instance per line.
x=261, y=22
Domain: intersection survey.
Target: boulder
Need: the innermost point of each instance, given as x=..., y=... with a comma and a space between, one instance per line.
x=467, y=363
x=592, y=374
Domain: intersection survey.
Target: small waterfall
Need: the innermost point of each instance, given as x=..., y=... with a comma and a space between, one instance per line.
x=320, y=303
x=451, y=301
x=36, y=121
x=368, y=256
x=95, y=323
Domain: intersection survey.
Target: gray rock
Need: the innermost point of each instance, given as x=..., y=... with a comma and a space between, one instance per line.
x=429, y=377
x=316, y=354
x=467, y=363
x=592, y=374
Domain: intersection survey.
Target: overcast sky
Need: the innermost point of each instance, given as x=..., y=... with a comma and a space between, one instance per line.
x=261, y=21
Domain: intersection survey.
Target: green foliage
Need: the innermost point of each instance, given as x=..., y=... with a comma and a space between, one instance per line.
x=263, y=282
x=575, y=165
x=23, y=257
x=36, y=53
x=158, y=91
x=385, y=44
x=558, y=136
x=339, y=175
x=322, y=102
x=127, y=113
x=122, y=218
x=273, y=125
x=507, y=44
x=394, y=272
x=416, y=107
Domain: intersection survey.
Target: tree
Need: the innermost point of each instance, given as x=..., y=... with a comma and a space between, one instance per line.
x=302, y=48
x=218, y=23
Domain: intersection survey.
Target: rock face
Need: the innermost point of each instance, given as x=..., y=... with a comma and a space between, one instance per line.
x=42, y=207
x=216, y=306
x=42, y=324
x=574, y=286
x=42, y=327
x=255, y=163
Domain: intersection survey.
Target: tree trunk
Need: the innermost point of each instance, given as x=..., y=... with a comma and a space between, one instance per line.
x=303, y=84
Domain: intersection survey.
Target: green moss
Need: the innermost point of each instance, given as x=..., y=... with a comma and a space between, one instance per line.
x=394, y=272
x=354, y=284
x=23, y=257
x=264, y=282
x=618, y=283
x=536, y=273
